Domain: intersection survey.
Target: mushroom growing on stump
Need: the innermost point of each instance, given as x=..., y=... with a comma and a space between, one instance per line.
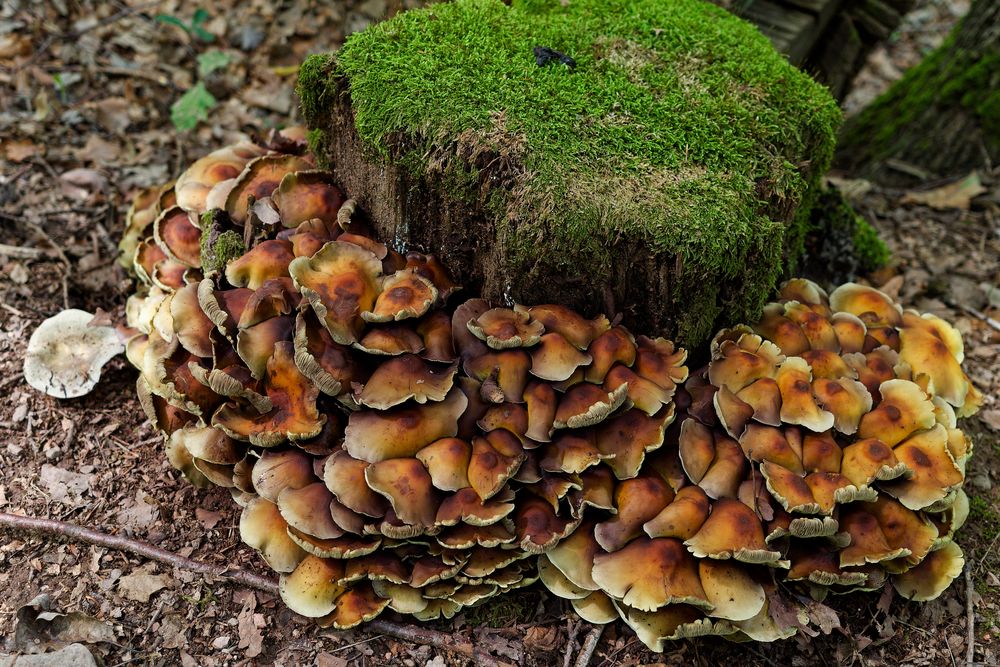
x=394, y=446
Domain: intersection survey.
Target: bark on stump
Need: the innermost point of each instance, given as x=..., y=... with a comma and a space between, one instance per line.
x=942, y=117
x=666, y=176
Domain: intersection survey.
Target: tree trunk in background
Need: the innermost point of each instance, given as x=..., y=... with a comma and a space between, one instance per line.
x=942, y=117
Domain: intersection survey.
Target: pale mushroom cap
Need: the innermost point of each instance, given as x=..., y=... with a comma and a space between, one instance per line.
x=311, y=589
x=263, y=528
x=932, y=576
x=65, y=354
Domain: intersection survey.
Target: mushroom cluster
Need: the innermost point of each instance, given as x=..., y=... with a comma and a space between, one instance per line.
x=818, y=449
x=392, y=446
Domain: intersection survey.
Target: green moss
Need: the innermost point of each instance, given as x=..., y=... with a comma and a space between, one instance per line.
x=871, y=250
x=951, y=76
x=679, y=127
x=218, y=247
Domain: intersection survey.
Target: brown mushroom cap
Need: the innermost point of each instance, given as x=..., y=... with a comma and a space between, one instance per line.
x=274, y=472
x=785, y=334
x=429, y=267
x=256, y=344
x=732, y=530
x=798, y=406
x=541, y=401
x=571, y=452
x=555, y=359
x=294, y=415
x=904, y=409
x=933, y=347
x=711, y=460
x=402, y=295
x=403, y=378
x=354, y=607
x=803, y=290
x=574, y=556
x=682, y=517
x=465, y=505
x=626, y=438
x=312, y=588
x=933, y=471
x=672, y=622
x=932, y=576
x=447, y=461
x=732, y=593
x=308, y=510
x=815, y=325
x=587, y=404
x=402, y=431
x=668, y=575
x=848, y=400
x=738, y=364
x=495, y=459
x=274, y=298
x=557, y=582
x=637, y=501
x=176, y=232
x=658, y=361
x=573, y=327
x=435, y=330
x=345, y=478
x=192, y=187
x=503, y=328
x=506, y=372
x=407, y=485
x=390, y=340
x=330, y=365
x=537, y=527
x=644, y=394
x=263, y=528
x=340, y=282
x=596, y=608
x=860, y=299
x=266, y=260
x=614, y=346
x=307, y=195
x=259, y=179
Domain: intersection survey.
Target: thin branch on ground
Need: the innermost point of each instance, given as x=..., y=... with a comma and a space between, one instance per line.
x=62, y=529
x=589, y=646
x=970, y=615
x=118, y=543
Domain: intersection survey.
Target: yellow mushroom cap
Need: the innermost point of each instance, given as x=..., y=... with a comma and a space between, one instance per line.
x=407, y=485
x=904, y=409
x=668, y=575
x=311, y=589
x=932, y=576
x=263, y=528
x=732, y=530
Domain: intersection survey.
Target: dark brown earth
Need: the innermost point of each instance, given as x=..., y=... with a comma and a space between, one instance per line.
x=74, y=147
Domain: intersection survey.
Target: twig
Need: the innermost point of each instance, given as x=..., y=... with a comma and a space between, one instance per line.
x=571, y=628
x=436, y=639
x=63, y=529
x=20, y=252
x=970, y=616
x=975, y=313
x=589, y=646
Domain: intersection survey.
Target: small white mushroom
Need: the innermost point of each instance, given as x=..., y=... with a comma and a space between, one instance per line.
x=65, y=354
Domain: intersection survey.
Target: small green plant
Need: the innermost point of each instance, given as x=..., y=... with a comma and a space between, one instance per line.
x=192, y=107
x=194, y=28
x=212, y=60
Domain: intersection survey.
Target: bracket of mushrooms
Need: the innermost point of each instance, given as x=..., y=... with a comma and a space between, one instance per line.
x=395, y=447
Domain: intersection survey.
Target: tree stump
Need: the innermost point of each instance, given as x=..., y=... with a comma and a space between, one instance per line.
x=658, y=160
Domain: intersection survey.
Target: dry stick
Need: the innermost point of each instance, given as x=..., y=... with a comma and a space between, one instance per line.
x=54, y=528
x=970, y=616
x=64, y=529
x=589, y=646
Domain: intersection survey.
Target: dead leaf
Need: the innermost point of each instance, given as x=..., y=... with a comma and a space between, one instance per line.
x=172, y=630
x=207, y=518
x=63, y=485
x=113, y=114
x=954, y=195
x=324, y=659
x=74, y=655
x=542, y=638
x=98, y=151
x=39, y=628
x=82, y=184
x=251, y=637
x=139, y=513
x=821, y=615
x=991, y=418
x=19, y=150
x=141, y=585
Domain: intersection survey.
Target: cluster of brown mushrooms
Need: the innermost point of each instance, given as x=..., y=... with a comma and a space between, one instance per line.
x=391, y=447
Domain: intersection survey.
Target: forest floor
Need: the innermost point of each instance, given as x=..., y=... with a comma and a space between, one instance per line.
x=86, y=121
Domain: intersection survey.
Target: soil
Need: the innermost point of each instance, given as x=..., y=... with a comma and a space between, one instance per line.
x=87, y=88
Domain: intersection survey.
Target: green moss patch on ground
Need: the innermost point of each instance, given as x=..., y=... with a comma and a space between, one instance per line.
x=679, y=128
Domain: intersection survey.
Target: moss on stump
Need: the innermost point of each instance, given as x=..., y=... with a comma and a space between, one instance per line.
x=666, y=176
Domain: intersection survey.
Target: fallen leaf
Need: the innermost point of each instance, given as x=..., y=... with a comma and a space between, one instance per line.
x=19, y=150
x=821, y=615
x=954, y=195
x=64, y=486
x=98, y=151
x=324, y=659
x=113, y=114
x=251, y=637
x=40, y=628
x=83, y=183
x=172, y=630
x=542, y=638
x=141, y=585
x=991, y=418
x=207, y=518
x=138, y=513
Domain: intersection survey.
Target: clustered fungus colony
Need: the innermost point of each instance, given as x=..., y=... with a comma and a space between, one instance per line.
x=393, y=446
